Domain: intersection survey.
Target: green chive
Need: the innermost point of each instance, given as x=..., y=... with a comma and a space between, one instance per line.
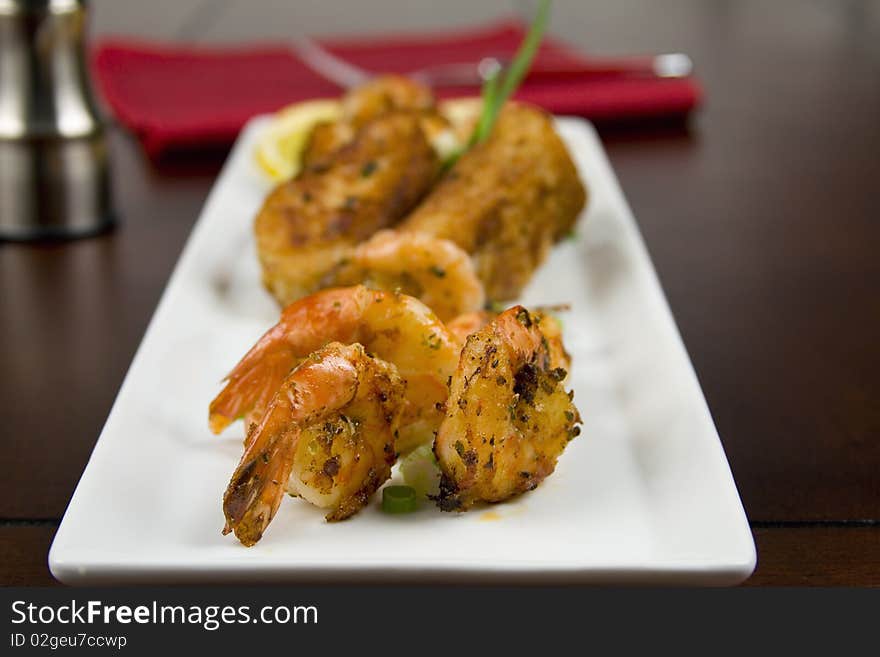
x=514, y=75
x=399, y=499
x=498, y=89
x=490, y=99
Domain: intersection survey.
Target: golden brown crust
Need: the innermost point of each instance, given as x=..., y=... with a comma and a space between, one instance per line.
x=506, y=200
x=383, y=95
x=306, y=224
x=323, y=142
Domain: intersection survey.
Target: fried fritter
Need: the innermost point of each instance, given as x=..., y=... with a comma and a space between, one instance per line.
x=383, y=95
x=307, y=224
x=506, y=200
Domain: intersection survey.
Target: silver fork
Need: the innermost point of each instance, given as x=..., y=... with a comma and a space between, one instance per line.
x=348, y=75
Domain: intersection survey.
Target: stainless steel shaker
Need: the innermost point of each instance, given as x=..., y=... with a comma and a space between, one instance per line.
x=54, y=177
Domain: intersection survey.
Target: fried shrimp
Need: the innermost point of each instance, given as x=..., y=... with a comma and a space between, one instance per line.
x=508, y=416
x=428, y=268
x=506, y=200
x=395, y=327
x=327, y=436
x=466, y=323
x=307, y=224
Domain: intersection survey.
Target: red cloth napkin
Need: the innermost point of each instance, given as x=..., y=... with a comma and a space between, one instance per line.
x=182, y=97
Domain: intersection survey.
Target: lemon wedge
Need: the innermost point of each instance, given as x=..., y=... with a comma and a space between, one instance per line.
x=279, y=149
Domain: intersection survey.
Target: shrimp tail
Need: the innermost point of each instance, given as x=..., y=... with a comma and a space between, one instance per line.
x=258, y=483
x=325, y=381
x=252, y=383
x=247, y=507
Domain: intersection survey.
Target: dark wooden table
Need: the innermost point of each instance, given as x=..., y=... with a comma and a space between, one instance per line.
x=762, y=220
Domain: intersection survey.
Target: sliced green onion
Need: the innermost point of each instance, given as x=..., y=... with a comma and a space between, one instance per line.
x=399, y=499
x=419, y=470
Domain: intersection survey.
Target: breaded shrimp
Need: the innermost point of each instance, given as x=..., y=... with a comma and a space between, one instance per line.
x=506, y=200
x=327, y=436
x=508, y=415
x=307, y=224
x=431, y=269
x=394, y=327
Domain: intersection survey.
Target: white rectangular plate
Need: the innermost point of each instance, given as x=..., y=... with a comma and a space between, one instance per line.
x=644, y=495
